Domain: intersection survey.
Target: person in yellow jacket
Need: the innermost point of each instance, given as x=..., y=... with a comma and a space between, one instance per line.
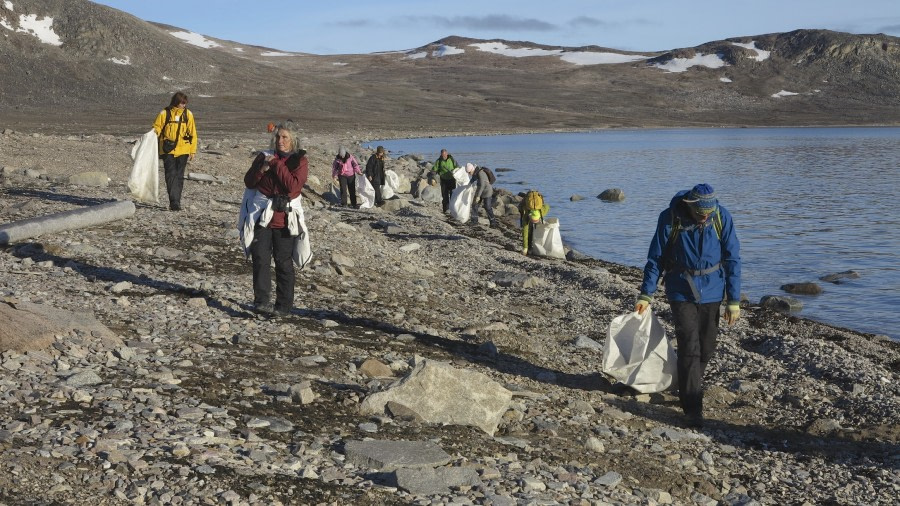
x=528, y=219
x=177, y=135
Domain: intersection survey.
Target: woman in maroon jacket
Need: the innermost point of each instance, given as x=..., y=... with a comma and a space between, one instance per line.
x=278, y=176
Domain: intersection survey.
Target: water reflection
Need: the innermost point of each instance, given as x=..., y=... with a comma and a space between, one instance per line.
x=807, y=202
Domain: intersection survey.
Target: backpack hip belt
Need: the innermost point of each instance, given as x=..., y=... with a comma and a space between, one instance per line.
x=702, y=272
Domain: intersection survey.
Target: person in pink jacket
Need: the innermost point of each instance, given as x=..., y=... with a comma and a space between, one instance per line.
x=344, y=170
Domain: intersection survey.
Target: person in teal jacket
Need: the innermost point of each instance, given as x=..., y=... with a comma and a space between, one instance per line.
x=444, y=167
x=696, y=251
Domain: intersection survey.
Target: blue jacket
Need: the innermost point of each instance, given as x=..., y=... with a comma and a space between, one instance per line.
x=697, y=251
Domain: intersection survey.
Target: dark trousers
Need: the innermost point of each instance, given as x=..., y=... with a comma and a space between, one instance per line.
x=378, y=198
x=269, y=242
x=174, y=171
x=348, y=185
x=696, y=326
x=447, y=187
x=488, y=204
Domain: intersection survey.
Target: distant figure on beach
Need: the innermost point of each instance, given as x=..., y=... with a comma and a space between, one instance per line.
x=532, y=211
x=344, y=170
x=375, y=173
x=177, y=135
x=484, y=193
x=444, y=167
x=273, y=217
x=697, y=253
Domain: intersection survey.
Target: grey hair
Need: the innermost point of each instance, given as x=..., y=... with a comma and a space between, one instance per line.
x=291, y=134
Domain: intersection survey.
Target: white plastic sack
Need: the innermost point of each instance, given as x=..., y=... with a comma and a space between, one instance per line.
x=365, y=192
x=391, y=184
x=546, y=241
x=461, y=176
x=335, y=193
x=461, y=202
x=144, y=179
x=638, y=354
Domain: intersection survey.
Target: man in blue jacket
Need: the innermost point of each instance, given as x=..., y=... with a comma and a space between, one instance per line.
x=697, y=253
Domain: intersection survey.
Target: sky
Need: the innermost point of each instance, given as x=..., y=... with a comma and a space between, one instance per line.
x=367, y=26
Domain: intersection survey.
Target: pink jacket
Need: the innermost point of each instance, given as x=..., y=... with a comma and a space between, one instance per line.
x=348, y=168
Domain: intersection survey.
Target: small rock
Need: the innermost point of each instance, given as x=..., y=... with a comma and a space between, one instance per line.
x=612, y=195
x=595, y=445
x=781, y=303
x=802, y=288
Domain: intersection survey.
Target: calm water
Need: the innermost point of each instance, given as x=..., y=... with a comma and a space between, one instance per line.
x=807, y=201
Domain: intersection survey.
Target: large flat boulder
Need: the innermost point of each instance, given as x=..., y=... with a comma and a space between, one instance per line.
x=25, y=326
x=391, y=455
x=440, y=393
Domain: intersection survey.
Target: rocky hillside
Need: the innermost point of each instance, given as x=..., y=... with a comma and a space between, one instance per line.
x=94, y=68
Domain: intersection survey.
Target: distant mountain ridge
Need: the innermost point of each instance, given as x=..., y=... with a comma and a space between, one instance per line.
x=112, y=64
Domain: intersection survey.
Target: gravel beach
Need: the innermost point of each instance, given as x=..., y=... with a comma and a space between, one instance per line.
x=133, y=369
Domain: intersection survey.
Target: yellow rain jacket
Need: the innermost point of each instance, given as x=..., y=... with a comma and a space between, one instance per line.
x=186, y=141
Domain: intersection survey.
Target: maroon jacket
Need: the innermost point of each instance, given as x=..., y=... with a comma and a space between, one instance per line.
x=285, y=175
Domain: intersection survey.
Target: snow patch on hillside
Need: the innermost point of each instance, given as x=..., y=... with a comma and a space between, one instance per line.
x=783, y=93
x=761, y=54
x=597, y=58
x=712, y=61
x=574, y=57
x=196, y=39
x=444, y=50
x=42, y=28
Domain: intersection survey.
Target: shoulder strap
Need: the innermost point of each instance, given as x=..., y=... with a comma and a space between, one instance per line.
x=168, y=120
x=717, y=223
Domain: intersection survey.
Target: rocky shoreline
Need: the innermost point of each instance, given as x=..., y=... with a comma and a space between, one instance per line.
x=159, y=385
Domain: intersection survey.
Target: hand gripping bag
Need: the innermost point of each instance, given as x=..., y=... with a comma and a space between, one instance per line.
x=365, y=192
x=547, y=240
x=144, y=179
x=637, y=353
x=461, y=202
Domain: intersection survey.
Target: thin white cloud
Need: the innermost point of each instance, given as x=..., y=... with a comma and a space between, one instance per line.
x=196, y=39
x=491, y=22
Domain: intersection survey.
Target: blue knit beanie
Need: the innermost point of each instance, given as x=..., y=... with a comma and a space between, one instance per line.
x=702, y=198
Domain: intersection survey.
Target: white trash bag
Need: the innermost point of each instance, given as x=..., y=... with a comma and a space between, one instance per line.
x=546, y=241
x=461, y=202
x=461, y=176
x=365, y=192
x=391, y=184
x=144, y=179
x=637, y=353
